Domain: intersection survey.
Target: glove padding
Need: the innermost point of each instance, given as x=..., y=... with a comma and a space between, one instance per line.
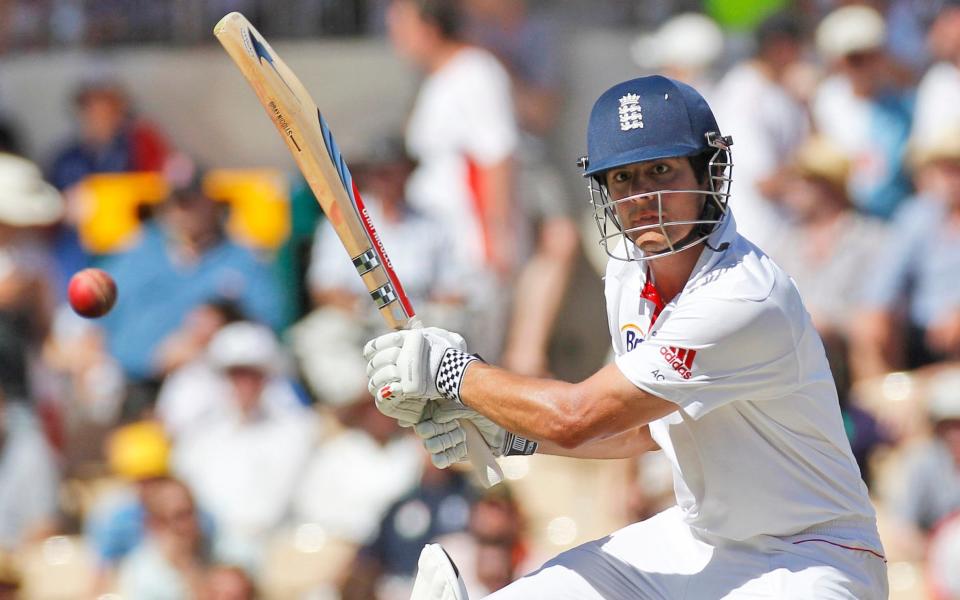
x=402, y=369
x=445, y=439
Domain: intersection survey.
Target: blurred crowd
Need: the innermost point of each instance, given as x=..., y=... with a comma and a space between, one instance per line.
x=213, y=436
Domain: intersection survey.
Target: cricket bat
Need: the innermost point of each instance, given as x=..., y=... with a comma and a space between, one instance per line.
x=303, y=128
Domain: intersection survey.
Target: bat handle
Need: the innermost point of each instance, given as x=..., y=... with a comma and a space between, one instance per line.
x=478, y=452
x=480, y=455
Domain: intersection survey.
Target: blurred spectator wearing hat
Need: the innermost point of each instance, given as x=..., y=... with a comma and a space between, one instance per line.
x=938, y=95
x=420, y=248
x=182, y=260
x=865, y=106
x=686, y=47
x=911, y=312
x=29, y=480
x=755, y=105
x=138, y=458
x=928, y=488
x=109, y=137
x=828, y=242
x=198, y=393
x=246, y=459
x=27, y=271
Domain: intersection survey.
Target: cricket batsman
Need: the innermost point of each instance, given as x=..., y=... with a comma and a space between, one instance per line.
x=717, y=363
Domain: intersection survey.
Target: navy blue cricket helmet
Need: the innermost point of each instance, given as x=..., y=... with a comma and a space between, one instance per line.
x=650, y=118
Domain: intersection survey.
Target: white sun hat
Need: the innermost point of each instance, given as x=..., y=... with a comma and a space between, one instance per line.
x=25, y=198
x=943, y=395
x=688, y=40
x=246, y=344
x=850, y=29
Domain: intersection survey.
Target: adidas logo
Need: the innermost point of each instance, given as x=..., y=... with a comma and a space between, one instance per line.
x=679, y=359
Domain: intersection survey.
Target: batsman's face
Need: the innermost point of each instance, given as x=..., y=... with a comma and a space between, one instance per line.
x=645, y=215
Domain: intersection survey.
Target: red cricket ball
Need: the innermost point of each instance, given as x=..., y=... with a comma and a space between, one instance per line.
x=92, y=293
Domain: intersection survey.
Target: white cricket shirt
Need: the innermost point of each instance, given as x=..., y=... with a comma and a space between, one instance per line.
x=757, y=443
x=463, y=119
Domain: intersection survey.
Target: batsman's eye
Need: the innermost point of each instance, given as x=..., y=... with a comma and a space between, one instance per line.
x=620, y=176
x=661, y=169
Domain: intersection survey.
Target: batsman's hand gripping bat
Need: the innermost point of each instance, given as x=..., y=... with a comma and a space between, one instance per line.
x=305, y=131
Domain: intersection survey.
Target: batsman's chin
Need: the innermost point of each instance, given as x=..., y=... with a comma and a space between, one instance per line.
x=650, y=242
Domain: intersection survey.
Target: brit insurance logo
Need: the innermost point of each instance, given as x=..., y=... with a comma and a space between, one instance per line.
x=632, y=336
x=631, y=115
x=679, y=359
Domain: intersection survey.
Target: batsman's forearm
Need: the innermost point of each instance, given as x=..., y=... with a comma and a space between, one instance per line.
x=568, y=415
x=628, y=444
x=527, y=406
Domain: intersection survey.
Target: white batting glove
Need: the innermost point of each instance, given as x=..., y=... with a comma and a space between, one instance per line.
x=445, y=440
x=407, y=369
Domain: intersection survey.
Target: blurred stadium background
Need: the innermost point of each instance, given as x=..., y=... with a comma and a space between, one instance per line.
x=213, y=437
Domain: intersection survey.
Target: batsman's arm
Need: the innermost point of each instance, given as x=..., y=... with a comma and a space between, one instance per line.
x=606, y=408
x=627, y=444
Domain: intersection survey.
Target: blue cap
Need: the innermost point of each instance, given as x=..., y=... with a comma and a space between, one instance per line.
x=645, y=119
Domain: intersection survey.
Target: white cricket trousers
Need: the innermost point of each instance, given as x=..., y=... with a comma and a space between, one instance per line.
x=661, y=558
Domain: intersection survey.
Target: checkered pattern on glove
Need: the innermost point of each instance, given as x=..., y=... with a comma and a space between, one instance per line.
x=450, y=374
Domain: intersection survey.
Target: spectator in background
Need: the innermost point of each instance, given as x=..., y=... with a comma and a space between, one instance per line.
x=911, y=312
x=827, y=243
x=199, y=393
x=109, y=137
x=386, y=567
x=938, y=95
x=138, y=456
x=245, y=462
x=686, y=47
x=85, y=382
x=182, y=260
x=170, y=563
x=419, y=247
x=28, y=480
x=463, y=133
x=494, y=549
x=189, y=342
x=930, y=474
x=27, y=202
x=755, y=105
x=228, y=582
x=865, y=107
x=524, y=44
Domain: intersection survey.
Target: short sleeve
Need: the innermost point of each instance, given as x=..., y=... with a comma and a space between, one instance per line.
x=490, y=134
x=715, y=351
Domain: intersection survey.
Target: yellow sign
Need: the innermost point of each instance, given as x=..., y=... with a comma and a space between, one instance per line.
x=108, y=206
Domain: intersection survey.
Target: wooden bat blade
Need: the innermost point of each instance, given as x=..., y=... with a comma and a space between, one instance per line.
x=304, y=130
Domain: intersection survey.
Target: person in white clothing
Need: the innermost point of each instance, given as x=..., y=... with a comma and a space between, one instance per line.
x=462, y=131
x=938, y=93
x=717, y=363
